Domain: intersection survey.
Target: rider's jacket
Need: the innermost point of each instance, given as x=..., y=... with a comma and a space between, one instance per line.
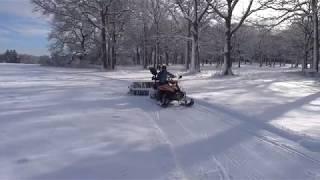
x=163, y=76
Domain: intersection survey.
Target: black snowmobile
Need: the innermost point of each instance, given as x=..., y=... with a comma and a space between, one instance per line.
x=165, y=94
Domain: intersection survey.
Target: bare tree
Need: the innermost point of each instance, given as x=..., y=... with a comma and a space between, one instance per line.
x=77, y=20
x=70, y=32
x=156, y=12
x=307, y=12
x=225, y=9
x=75, y=34
x=140, y=13
x=174, y=31
x=194, y=12
x=96, y=12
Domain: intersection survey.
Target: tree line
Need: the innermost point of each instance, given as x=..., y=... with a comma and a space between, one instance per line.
x=12, y=56
x=189, y=32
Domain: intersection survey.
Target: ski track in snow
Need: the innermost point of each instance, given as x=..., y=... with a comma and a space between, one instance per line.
x=101, y=133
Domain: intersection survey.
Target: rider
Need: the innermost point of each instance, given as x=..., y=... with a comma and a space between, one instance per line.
x=163, y=75
x=164, y=84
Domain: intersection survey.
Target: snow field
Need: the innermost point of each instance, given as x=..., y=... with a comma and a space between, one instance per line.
x=58, y=123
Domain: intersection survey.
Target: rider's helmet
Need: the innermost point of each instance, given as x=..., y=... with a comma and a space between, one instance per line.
x=163, y=67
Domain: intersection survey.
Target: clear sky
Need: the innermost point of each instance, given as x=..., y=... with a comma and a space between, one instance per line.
x=22, y=29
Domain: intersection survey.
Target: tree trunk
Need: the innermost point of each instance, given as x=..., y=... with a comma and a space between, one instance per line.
x=138, y=55
x=195, y=66
x=182, y=59
x=175, y=57
x=195, y=62
x=104, y=42
x=306, y=52
x=167, y=58
x=297, y=63
x=227, y=70
x=305, y=59
x=315, y=35
x=109, y=58
x=150, y=55
x=145, y=62
x=188, y=47
x=161, y=60
x=157, y=53
x=154, y=57
x=114, y=43
x=114, y=55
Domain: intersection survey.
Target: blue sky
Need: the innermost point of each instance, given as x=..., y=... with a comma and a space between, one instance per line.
x=22, y=29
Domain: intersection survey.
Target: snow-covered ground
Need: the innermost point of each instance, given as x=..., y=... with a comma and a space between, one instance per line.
x=58, y=123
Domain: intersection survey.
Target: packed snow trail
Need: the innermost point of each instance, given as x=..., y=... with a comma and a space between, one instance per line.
x=58, y=123
x=209, y=146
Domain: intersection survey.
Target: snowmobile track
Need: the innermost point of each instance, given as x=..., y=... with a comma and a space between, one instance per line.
x=221, y=171
x=251, y=130
x=156, y=119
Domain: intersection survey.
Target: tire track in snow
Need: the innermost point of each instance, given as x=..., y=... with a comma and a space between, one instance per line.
x=203, y=174
x=223, y=172
x=287, y=148
x=185, y=128
x=251, y=129
x=182, y=175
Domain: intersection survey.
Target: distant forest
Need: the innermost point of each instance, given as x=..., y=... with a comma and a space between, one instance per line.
x=12, y=56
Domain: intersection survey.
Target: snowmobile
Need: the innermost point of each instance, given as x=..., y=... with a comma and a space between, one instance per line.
x=166, y=94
